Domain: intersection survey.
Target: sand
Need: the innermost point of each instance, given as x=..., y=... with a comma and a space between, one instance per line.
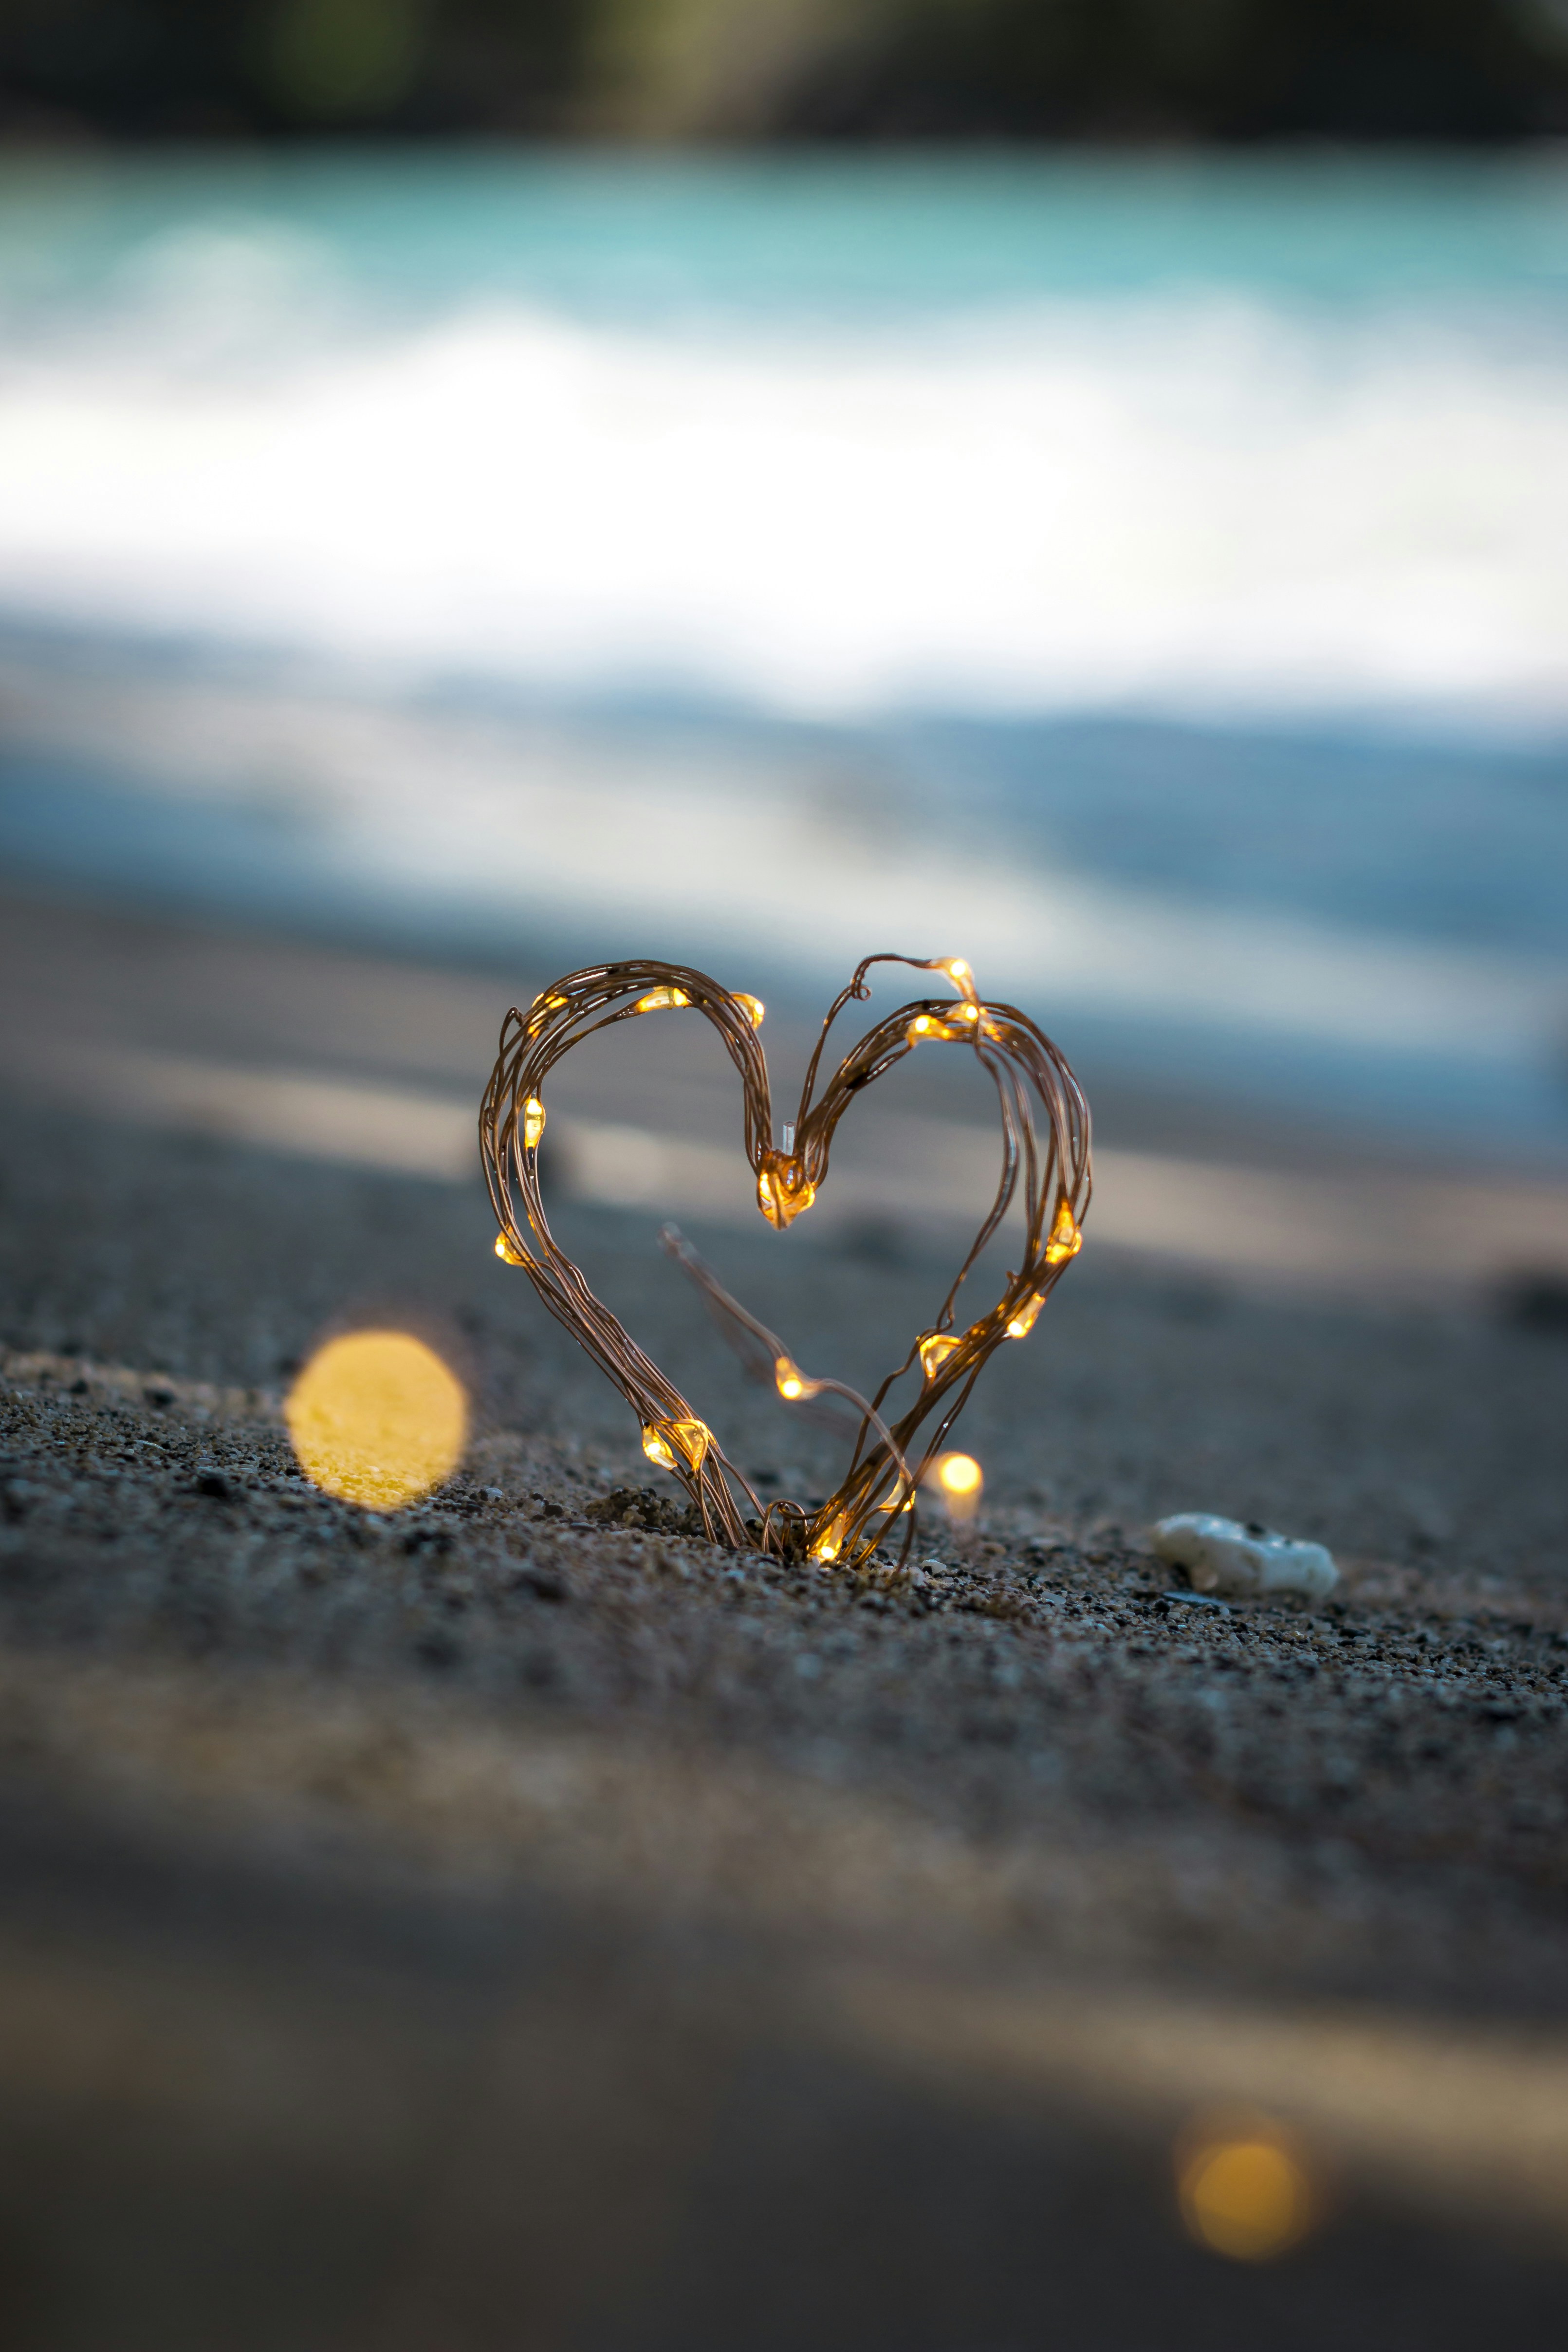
x=512, y=1921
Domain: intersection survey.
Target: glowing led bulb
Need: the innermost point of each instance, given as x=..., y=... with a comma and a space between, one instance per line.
x=752, y=1006
x=507, y=1249
x=533, y=1123
x=928, y=1024
x=1024, y=1321
x=934, y=1347
x=671, y=1444
x=791, y=1380
x=1066, y=1237
x=831, y=1542
x=661, y=999
x=783, y=1189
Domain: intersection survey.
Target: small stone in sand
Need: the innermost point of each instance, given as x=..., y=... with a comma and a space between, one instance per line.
x=1223, y=1556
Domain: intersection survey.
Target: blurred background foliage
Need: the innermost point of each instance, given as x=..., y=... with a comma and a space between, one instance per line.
x=670, y=70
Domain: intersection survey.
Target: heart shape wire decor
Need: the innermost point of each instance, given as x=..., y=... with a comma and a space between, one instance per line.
x=1054, y=1170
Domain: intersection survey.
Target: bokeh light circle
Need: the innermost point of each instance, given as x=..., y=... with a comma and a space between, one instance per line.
x=1245, y=2193
x=959, y=1474
x=378, y=1419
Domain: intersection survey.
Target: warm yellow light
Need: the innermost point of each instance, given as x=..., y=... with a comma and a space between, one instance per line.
x=376, y=1418
x=1244, y=2192
x=783, y=1189
x=959, y=1474
x=1066, y=1237
x=1027, y=1315
x=671, y=1443
x=787, y=1158
x=926, y=1024
x=540, y=1010
x=692, y=1439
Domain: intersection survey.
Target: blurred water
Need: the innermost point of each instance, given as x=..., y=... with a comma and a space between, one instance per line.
x=1154, y=578
x=607, y=239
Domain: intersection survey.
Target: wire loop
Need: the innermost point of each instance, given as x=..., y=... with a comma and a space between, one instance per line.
x=1052, y=1164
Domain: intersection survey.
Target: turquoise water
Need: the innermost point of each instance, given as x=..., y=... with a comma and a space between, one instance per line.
x=597, y=236
x=1172, y=555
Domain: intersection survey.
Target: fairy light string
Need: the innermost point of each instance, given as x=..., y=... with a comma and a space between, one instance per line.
x=1045, y=1164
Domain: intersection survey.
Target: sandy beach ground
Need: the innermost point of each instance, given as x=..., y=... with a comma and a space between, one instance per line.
x=515, y=1922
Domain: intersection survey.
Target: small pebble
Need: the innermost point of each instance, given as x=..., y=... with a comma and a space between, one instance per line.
x=1223, y=1556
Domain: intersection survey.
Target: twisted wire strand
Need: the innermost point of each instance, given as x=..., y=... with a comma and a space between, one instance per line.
x=741, y=1327
x=1054, y=1169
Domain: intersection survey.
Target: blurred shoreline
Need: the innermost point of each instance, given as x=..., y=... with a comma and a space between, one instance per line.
x=323, y=1052
x=1354, y=949
x=1144, y=577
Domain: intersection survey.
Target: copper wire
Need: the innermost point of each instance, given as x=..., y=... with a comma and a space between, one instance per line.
x=1051, y=1164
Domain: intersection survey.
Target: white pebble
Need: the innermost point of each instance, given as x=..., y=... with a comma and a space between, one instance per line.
x=1222, y=1555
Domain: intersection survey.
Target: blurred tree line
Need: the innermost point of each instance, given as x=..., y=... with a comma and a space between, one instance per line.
x=1129, y=70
